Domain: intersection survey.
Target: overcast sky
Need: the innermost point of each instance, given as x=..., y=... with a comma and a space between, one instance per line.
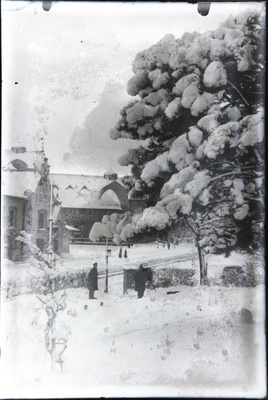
x=65, y=72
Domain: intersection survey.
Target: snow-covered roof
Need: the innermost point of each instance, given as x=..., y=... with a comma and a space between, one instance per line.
x=81, y=191
x=75, y=191
x=28, y=158
x=16, y=183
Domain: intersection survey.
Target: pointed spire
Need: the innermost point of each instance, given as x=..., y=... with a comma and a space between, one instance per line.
x=40, y=164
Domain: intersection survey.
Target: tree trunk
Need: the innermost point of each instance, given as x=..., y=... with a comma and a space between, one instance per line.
x=201, y=256
x=202, y=263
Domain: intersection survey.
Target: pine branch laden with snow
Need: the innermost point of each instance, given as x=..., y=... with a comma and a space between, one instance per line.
x=56, y=340
x=204, y=130
x=115, y=226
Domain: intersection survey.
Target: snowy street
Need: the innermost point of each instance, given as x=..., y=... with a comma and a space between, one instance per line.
x=81, y=258
x=151, y=254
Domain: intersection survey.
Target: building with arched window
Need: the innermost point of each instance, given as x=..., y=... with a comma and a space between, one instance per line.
x=26, y=196
x=78, y=202
x=85, y=199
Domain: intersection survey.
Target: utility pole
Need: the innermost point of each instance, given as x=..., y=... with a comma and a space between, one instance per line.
x=106, y=271
x=50, y=252
x=50, y=219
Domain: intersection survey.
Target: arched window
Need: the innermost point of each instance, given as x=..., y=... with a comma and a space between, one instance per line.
x=40, y=243
x=12, y=217
x=42, y=219
x=19, y=165
x=109, y=198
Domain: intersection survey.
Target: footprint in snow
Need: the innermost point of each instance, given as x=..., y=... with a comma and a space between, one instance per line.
x=112, y=350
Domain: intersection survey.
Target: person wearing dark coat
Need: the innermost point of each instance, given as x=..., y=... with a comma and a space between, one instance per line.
x=140, y=279
x=93, y=281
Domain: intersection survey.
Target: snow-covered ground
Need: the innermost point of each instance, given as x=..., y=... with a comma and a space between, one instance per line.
x=195, y=342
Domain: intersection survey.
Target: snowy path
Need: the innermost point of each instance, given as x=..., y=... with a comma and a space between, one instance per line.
x=83, y=256
x=149, y=253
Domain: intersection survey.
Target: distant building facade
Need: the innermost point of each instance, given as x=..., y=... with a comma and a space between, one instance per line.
x=26, y=197
x=87, y=198
x=78, y=202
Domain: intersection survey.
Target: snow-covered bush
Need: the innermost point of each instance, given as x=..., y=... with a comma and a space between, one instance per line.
x=255, y=270
x=42, y=282
x=166, y=277
x=42, y=286
x=233, y=276
x=13, y=288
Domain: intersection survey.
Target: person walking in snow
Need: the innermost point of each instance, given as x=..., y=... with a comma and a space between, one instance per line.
x=125, y=253
x=93, y=281
x=139, y=279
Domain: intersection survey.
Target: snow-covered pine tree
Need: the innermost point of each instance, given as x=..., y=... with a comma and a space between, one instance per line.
x=199, y=116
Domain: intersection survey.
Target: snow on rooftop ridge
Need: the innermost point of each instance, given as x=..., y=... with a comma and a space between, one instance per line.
x=82, y=191
x=18, y=158
x=15, y=184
